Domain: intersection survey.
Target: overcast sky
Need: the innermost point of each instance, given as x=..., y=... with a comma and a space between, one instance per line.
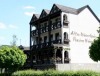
x=15, y=16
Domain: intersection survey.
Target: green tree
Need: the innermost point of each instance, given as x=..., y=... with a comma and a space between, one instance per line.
x=11, y=57
x=94, y=51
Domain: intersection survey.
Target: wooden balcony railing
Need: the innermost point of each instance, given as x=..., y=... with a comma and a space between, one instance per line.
x=35, y=32
x=55, y=25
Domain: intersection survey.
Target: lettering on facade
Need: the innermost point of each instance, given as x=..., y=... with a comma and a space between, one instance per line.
x=82, y=37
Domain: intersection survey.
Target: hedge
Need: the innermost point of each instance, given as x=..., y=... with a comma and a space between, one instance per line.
x=54, y=73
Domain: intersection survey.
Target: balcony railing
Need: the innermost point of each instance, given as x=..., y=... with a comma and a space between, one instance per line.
x=44, y=29
x=66, y=41
x=56, y=41
x=45, y=44
x=65, y=23
x=55, y=25
x=35, y=32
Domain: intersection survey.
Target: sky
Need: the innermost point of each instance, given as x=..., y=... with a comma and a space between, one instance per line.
x=15, y=16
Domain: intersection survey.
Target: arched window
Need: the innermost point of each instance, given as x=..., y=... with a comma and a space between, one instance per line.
x=65, y=35
x=66, y=54
x=65, y=18
x=66, y=57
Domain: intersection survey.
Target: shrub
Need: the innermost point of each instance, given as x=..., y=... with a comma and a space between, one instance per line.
x=11, y=58
x=28, y=73
x=54, y=73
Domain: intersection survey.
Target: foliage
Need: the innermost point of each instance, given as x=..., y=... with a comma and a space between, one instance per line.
x=94, y=51
x=11, y=57
x=28, y=73
x=54, y=73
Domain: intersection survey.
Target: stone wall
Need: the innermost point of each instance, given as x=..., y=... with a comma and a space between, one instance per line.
x=77, y=66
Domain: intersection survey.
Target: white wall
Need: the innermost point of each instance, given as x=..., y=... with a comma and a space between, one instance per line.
x=82, y=30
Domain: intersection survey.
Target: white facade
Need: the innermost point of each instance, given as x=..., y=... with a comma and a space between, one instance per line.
x=82, y=30
x=70, y=31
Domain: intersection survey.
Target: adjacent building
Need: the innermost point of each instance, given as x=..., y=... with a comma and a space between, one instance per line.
x=62, y=35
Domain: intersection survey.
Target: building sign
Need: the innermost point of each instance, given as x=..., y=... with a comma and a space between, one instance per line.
x=82, y=37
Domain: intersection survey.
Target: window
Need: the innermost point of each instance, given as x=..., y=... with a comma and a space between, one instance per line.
x=51, y=36
x=66, y=40
x=45, y=39
x=66, y=54
x=66, y=57
x=51, y=24
x=56, y=20
x=65, y=35
x=57, y=36
x=65, y=18
x=40, y=40
x=45, y=24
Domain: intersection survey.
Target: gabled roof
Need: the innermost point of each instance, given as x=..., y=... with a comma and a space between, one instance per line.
x=34, y=17
x=47, y=11
x=53, y=9
x=87, y=6
x=44, y=11
x=66, y=9
x=37, y=15
x=76, y=11
x=81, y=9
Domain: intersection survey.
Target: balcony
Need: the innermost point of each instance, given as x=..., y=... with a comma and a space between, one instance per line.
x=56, y=42
x=45, y=44
x=55, y=25
x=42, y=45
x=66, y=41
x=33, y=47
x=44, y=29
x=35, y=32
x=65, y=23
